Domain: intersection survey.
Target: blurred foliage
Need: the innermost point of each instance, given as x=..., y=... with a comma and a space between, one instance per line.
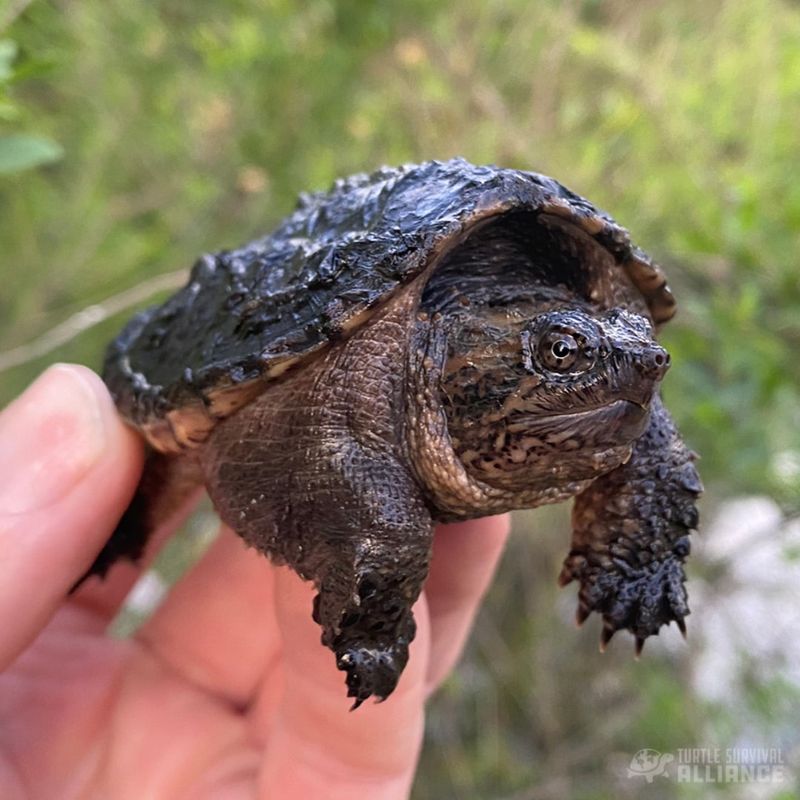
x=191, y=127
x=18, y=151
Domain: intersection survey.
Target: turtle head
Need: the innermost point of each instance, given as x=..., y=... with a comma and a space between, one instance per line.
x=585, y=363
x=557, y=398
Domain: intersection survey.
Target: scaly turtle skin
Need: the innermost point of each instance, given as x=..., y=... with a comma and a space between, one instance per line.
x=429, y=343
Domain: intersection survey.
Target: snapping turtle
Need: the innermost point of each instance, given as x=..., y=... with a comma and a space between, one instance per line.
x=430, y=343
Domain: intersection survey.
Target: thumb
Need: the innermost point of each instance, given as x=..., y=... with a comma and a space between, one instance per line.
x=68, y=467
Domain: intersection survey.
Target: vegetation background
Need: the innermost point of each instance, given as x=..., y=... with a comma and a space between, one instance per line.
x=134, y=136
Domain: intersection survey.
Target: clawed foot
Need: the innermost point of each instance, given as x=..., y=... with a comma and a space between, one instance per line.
x=371, y=638
x=639, y=597
x=372, y=670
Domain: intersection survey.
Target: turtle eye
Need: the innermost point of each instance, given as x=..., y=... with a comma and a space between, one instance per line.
x=561, y=348
x=558, y=351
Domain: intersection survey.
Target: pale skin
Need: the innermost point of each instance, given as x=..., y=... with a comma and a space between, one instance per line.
x=226, y=692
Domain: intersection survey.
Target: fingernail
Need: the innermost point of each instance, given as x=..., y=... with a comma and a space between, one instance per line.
x=50, y=437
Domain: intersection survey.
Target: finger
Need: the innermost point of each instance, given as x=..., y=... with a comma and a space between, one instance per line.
x=68, y=468
x=465, y=556
x=317, y=747
x=217, y=626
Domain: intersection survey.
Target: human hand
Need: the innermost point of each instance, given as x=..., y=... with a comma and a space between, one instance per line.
x=225, y=692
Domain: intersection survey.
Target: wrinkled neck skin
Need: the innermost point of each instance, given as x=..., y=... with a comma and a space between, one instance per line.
x=516, y=426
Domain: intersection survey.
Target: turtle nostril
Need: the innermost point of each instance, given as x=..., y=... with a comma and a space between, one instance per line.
x=655, y=361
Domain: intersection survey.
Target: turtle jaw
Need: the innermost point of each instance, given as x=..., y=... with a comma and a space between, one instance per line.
x=554, y=452
x=615, y=424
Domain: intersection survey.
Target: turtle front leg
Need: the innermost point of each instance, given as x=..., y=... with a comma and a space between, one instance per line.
x=364, y=604
x=631, y=536
x=342, y=513
x=373, y=557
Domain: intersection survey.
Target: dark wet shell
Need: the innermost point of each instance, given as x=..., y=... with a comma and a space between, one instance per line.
x=248, y=314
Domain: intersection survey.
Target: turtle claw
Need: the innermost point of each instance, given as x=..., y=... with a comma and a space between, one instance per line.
x=639, y=647
x=681, y=623
x=605, y=637
x=567, y=574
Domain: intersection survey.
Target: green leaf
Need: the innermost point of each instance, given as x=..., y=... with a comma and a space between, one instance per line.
x=21, y=151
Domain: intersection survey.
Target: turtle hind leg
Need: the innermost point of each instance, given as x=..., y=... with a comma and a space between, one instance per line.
x=165, y=483
x=631, y=532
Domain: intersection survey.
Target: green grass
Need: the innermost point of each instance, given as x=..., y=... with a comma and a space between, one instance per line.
x=191, y=127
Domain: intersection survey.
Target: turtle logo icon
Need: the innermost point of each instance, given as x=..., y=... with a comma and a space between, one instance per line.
x=649, y=764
